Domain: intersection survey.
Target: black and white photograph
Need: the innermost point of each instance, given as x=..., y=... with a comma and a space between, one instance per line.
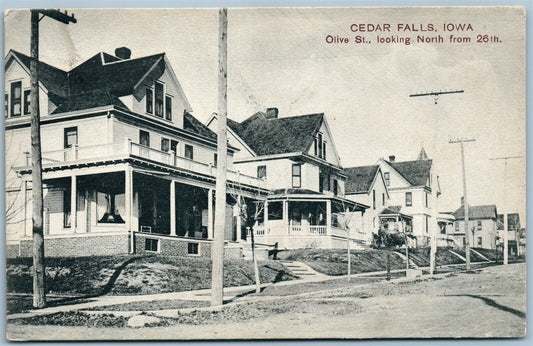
x=265, y=173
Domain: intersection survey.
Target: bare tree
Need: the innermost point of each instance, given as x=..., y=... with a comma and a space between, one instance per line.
x=344, y=219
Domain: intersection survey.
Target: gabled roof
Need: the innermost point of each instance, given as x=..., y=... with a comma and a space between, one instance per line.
x=360, y=178
x=268, y=136
x=476, y=212
x=118, y=77
x=191, y=124
x=415, y=172
x=102, y=74
x=54, y=79
x=97, y=98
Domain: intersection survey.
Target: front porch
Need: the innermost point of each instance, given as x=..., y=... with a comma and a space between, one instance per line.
x=145, y=206
x=311, y=221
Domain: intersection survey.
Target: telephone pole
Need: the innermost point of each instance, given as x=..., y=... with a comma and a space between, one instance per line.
x=434, y=185
x=465, y=199
x=505, y=219
x=217, y=251
x=39, y=298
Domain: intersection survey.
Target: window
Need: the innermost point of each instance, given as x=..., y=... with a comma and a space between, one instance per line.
x=324, y=150
x=427, y=199
x=408, y=199
x=383, y=199
x=192, y=249
x=296, y=175
x=66, y=208
x=374, y=199
x=6, y=105
x=479, y=225
x=189, y=152
x=149, y=101
x=261, y=172
x=27, y=101
x=158, y=91
x=215, y=159
x=165, y=144
x=386, y=176
x=479, y=241
x=321, y=179
x=335, y=187
x=151, y=244
x=144, y=138
x=456, y=226
x=319, y=146
x=16, y=98
x=70, y=137
x=168, y=107
x=427, y=224
x=174, y=146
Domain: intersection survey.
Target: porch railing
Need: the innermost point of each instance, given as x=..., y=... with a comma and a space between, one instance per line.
x=128, y=148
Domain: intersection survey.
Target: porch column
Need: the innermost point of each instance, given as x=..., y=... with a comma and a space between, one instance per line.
x=238, y=223
x=210, y=233
x=128, y=195
x=328, y=221
x=27, y=231
x=73, y=202
x=265, y=221
x=172, y=208
x=286, y=216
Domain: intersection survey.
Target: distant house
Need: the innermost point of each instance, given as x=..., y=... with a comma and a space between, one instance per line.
x=482, y=226
x=366, y=185
x=391, y=219
x=297, y=158
x=126, y=166
x=413, y=185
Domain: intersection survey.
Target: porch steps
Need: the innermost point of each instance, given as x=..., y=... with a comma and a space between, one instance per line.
x=411, y=263
x=456, y=254
x=302, y=270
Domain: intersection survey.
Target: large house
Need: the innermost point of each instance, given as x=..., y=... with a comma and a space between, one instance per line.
x=366, y=185
x=414, y=187
x=296, y=156
x=126, y=166
x=483, y=221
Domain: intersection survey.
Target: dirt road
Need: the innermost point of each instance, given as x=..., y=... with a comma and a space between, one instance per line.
x=486, y=303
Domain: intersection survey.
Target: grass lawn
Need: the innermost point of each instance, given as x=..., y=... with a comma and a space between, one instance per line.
x=118, y=275
x=335, y=262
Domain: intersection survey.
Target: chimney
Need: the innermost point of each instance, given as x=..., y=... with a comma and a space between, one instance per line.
x=462, y=201
x=123, y=53
x=271, y=113
x=392, y=158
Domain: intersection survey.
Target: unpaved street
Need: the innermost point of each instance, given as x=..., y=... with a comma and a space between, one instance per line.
x=485, y=303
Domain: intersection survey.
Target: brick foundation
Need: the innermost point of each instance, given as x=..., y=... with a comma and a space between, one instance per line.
x=75, y=246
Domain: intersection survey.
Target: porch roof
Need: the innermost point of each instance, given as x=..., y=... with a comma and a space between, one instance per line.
x=393, y=210
x=152, y=167
x=305, y=194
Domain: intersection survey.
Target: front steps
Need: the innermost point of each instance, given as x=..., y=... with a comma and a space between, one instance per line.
x=302, y=270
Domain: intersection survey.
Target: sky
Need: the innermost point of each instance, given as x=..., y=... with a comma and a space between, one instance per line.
x=279, y=57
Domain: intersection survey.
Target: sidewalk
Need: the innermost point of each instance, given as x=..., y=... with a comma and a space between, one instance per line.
x=230, y=294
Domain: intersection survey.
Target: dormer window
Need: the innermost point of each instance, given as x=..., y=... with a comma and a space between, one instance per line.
x=157, y=102
x=16, y=99
x=386, y=176
x=168, y=107
x=158, y=91
x=27, y=101
x=320, y=146
x=149, y=101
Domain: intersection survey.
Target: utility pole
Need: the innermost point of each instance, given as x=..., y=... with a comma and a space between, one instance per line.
x=465, y=199
x=505, y=217
x=434, y=185
x=39, y=298
x=217, y=252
